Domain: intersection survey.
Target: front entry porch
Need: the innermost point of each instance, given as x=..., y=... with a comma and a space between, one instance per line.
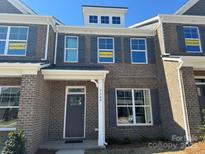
x=77, y=111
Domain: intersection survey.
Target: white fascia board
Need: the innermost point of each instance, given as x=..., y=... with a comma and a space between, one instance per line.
x=174, y=59
x=104, y=9
x=186, y=7
x=197, y=62
x=19, y=69
x=27, y=19
x=105, y=31
x=74, y=74
x=21, y=7
x=183, y=19
x=146, y=22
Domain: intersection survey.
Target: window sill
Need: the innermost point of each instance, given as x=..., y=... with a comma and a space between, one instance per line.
x=133, y=125
x=12, y=55
x=7, y=129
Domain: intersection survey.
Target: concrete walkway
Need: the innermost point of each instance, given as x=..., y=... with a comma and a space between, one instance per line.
x=70, y=152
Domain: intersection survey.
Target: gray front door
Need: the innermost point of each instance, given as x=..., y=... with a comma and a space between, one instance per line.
x=201, y=96
x=75, y=116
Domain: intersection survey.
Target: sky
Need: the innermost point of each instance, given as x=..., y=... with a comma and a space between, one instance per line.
x=70, y=11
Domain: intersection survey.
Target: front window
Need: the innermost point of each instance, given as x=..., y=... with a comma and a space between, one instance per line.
x=93, y=19
x=105, y=50
x=13, y=40
x=104, y=19
x=134, y=107
x=138, y=51
x=71, y=49
x=116, y=20
x=9, y=104
x=192, y=39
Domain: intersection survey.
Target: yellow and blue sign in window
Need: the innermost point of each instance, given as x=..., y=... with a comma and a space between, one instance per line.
x=192, y=39
x=106, y=50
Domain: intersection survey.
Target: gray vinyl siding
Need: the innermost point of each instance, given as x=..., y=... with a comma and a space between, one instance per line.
x=6, y=7
x=35, y=44
x=197, y=9
x=175, y=42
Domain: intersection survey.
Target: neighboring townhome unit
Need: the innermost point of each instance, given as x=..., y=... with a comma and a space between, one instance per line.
x=101, y=81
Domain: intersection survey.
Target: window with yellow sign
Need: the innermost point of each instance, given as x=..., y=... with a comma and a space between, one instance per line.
x=192, y=39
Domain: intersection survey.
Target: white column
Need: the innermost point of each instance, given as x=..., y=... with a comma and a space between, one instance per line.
x=101, y=113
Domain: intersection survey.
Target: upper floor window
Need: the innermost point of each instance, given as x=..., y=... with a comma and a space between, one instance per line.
x=138, y=51
x=134, y=107
x=116, y=20
x=105, y=19
x=105, y=50
x=93, y=19
x=9, y=104
x=192, y=39
x=71, y=49
x=13, y=40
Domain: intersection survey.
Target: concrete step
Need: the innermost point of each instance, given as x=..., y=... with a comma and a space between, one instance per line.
x=70, y=152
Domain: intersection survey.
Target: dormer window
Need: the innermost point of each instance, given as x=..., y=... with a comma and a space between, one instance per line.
x=105, y=19
x=93, y=19
x=116, y=20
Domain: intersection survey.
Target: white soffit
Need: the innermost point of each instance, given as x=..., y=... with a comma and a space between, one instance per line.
x=74, y=74
x=19, y=69
x=186, y=7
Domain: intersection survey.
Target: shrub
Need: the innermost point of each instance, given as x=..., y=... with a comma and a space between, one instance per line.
x=201, y=135
x=15, y=143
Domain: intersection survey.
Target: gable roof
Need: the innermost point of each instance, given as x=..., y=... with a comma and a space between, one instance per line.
x=22, y=7
x=186, y=7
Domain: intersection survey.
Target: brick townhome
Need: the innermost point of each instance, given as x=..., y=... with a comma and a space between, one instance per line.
x=101, y=80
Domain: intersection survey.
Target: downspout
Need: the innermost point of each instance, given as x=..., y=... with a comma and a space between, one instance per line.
x=184, y=106
x=46, y=45
x=56, y=47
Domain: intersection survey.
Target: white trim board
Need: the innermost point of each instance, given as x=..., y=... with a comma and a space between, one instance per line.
x=19, y=69
x=186, y=7
x=104, y=31
x=85, y=75
x=21, y=7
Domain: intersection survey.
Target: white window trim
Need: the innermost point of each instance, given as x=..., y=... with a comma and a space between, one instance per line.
x=146, y=55
x=8, y=40
x=193, y=39
x=92, y=22
x=113, y=50
x=65, y=110
x=77, y=54
x=133, y=106
x=16, y=107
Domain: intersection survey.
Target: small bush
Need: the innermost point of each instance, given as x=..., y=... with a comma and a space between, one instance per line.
x=201, y=135
x=15, y=143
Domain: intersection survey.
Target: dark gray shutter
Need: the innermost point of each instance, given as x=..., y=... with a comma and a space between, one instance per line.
x=127, y=51
x=202, y=35
x=155, y=106
x=112, y=107
x=60, y=49
x=94, y=49
x=181, y=40
x=151, y=50
x=81, y=49
x=32, y=42
x=117, y=50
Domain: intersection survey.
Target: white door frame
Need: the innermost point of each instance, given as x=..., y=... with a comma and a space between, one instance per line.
x=65, y=109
